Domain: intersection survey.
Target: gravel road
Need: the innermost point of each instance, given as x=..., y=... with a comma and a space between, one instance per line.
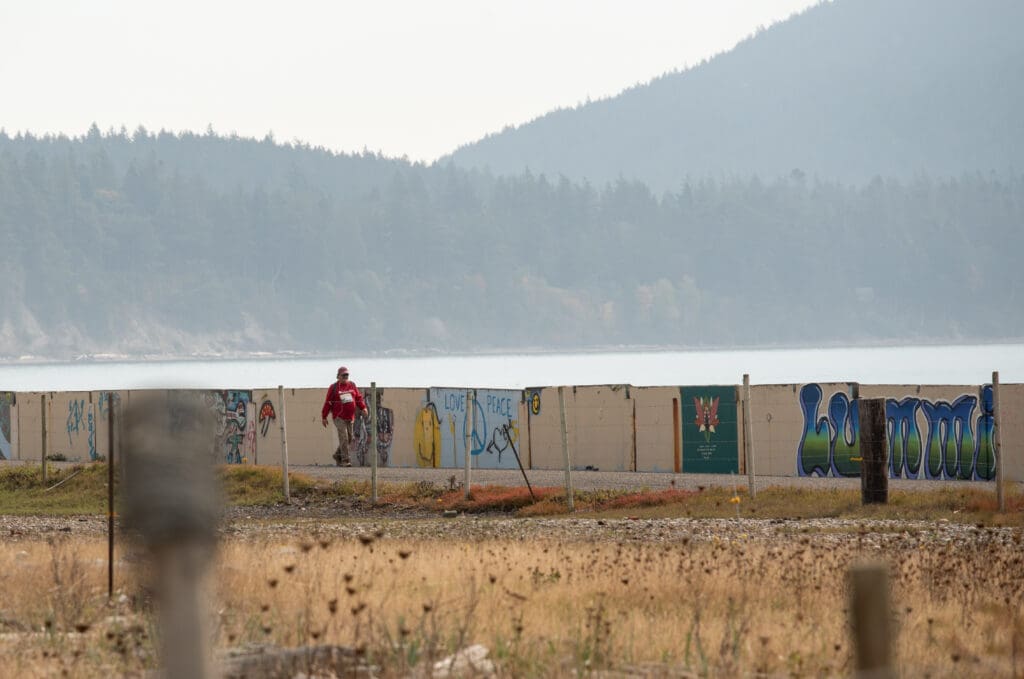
x=602, y=480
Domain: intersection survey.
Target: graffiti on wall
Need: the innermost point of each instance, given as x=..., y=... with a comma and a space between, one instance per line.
x=953, y=443
x=533, y=398
x=426, y=436
x=236, y=428
x=385, y=434
x=442, y=427
x=83, y=419
x=266, y=416
x=6, y=403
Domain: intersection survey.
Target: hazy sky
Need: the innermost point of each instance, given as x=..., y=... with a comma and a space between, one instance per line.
x=413, y=77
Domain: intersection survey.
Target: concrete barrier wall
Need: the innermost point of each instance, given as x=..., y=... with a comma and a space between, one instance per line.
x=796, y=429
x=76, y=424
x=599, y=428
x=658, y=429
x=1011, y=405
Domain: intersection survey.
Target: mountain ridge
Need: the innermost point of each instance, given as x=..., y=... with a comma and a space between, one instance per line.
x=842, y=91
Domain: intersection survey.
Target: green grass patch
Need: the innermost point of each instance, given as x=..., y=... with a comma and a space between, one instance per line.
x=84, y=491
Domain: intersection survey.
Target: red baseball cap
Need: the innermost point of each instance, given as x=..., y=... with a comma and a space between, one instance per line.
x=343, y=370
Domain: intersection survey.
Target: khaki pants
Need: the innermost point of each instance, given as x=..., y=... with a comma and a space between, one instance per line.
x=344, y=440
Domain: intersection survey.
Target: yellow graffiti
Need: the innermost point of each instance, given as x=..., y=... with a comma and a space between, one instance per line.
x=513, y=431
x=427, y=437
x=451, y=428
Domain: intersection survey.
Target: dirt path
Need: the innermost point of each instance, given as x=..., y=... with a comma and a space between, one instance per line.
x=605, y=480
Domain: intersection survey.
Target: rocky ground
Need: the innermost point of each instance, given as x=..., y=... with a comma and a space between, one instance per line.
x=345, y=517
x=251, y=523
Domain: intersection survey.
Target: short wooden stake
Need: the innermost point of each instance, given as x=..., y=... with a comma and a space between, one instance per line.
x=110, y=497
x=565, y=452
x=870, y=614
x=172, y=505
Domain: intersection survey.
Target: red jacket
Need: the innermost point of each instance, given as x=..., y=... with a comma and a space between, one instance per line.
x=342, y=401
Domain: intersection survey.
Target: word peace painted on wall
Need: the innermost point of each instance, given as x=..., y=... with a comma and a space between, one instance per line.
x=957, y=444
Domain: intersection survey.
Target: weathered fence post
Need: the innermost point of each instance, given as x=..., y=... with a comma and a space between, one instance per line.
x=373, y=442
x=42, y=410
x=470, y=396
x=748, y=445
x=565, y=452
x=997, y=442
x=110, y=497
x=284, y=446
x=874, y=474
x=172, y=504
x=870, y=615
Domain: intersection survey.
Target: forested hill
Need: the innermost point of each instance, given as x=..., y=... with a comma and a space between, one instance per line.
x=165, y=244
x=846, y=90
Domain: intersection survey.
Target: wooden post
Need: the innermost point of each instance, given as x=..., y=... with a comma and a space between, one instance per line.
x=110, y=497
x=748, y=445
x=284, y=445
x=470, y=395
x=172, y=504
x=869, y=609
x=42, y=410
x=565, y=453
x=997, y=442
x=874, y=473
x=373, y=442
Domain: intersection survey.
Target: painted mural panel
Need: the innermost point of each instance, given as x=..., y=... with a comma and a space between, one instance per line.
x=236, y=425
x=6, y=430
x=385, y=433
x=710, y=441
x=928, y=438
x=441, y=427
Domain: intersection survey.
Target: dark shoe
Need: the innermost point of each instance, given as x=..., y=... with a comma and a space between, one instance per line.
x=337, y=458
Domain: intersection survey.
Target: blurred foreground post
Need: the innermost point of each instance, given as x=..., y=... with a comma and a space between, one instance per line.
x=565, y=453
x=284, y=445
x=874, y=474
x=997, y=442
x=173, y=505
x=748, y=445
x=373, y=442
x=110, y=499
x=42, y=411
x=869, y=611
x=470, y=396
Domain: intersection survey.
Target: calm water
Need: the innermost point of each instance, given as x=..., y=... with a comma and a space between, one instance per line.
x=963, y=364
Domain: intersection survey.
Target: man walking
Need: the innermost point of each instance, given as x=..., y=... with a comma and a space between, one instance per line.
x=343, y=398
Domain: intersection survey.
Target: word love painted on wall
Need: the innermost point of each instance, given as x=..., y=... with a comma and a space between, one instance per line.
x=956, y=441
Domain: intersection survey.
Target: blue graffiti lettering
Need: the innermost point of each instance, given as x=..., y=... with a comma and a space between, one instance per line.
x=904, y=437
x=76, y=419
x=92, y=436
x=955, y=446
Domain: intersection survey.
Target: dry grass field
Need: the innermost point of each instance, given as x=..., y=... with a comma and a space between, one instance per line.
x=736, y=601
x=641, y=583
